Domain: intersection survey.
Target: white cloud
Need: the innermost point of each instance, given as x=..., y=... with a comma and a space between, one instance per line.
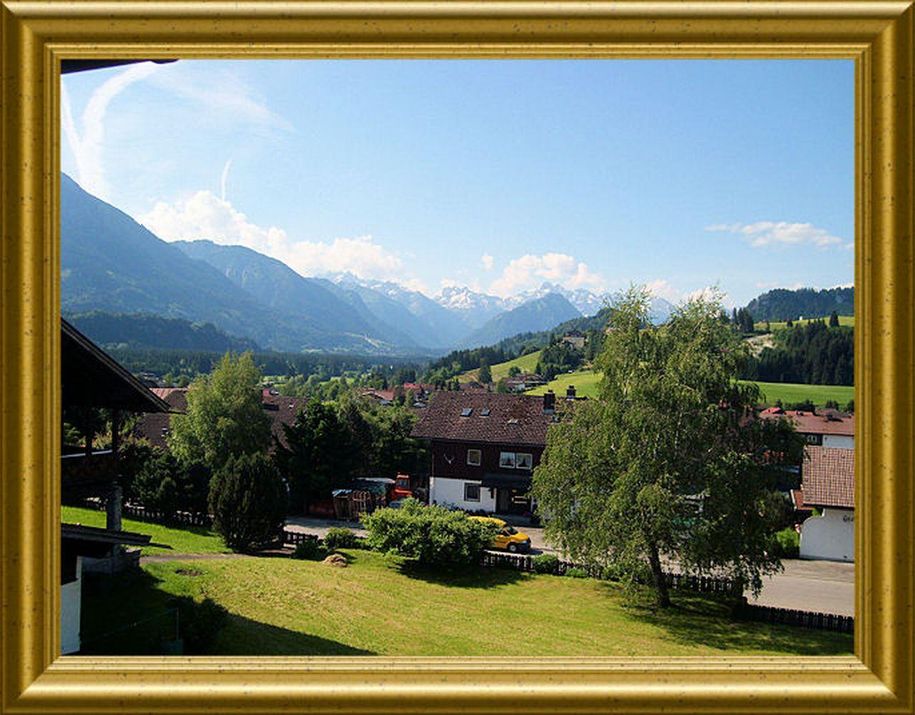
x=86, y=145
x=661, y=288
x=487, y=261
x=224, y=94
x=205, y=215
x=224, y=178
x=530, y=271
x=767, y=233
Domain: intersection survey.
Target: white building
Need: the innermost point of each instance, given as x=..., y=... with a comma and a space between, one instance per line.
x=828, y=483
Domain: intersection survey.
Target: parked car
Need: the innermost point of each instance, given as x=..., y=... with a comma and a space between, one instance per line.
x=508, y=538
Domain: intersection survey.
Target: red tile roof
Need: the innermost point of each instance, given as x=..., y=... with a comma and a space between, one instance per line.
x=825, y=422
x=513, y=419
x=829, y=477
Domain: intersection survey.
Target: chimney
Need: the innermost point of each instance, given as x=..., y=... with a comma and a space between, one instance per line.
x=570, y=392
x=549, y=402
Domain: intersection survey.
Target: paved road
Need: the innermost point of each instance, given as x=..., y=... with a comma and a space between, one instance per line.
x=824, y=586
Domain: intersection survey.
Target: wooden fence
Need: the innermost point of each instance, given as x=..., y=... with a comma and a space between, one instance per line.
x=787, y=616
x=297, y=537
x=141, y=513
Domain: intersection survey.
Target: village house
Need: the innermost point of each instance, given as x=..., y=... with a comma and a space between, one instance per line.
x=829, y=485
x=92, y=380
x=523, y=382
x=827, y=481
x=575, y=338
x=484, y=447
x=823, y=428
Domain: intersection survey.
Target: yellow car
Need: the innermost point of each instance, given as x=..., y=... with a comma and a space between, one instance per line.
x=508, y=538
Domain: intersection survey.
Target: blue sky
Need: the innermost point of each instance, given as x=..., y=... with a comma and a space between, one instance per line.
x=493, y=174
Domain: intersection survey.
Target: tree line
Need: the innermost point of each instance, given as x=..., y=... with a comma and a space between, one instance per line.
x=814, y=353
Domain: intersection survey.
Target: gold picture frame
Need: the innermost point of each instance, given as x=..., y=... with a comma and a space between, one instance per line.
x=37, y=34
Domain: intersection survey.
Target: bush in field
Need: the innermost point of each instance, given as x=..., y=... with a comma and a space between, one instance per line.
x=309, y=550
x=248, y=502
x=546, y=563
x=576, y=572
x=429, y=534
x=339, y=538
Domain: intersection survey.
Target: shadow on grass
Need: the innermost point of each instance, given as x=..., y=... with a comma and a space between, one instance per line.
x=131, y=614
x=699, y=620
x=460, y=576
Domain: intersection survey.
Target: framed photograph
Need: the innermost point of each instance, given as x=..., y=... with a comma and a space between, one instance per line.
x=55, y=186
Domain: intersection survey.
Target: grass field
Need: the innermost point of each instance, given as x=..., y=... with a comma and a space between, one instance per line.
x=847, y=320
x=587, y=382
x=526, y=363
x=381, y=606
x=186, y=540
x=818, y=394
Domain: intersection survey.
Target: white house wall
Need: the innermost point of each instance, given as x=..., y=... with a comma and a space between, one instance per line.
x=450, y=492
x=830, y=537
x=70, y=603
x=841, y=441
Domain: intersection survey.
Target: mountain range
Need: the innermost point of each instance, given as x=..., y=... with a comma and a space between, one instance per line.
x=112, y=264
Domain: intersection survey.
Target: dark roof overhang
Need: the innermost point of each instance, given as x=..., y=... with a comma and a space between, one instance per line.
x=92, y=378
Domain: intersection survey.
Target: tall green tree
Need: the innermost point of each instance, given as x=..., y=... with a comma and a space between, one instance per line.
x=248, y=502
x=485, y=374
x=669, y=462
x=224, y=416
x=319, y=453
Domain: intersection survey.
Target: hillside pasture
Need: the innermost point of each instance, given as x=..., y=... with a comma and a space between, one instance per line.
x=587, y=384
x=760, y=325
x=526, y=363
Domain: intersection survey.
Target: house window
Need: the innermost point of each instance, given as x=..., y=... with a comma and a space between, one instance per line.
x=471, y=492
x=507, y=460
x=473, y=457
x=524, y=461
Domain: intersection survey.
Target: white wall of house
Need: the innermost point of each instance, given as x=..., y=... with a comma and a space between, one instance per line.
x=830, y=537
x=447, y=491
x=842, y=441
x=70, y=602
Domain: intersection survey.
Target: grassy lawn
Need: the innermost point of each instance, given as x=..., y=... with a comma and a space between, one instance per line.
x=186, y=540
x=526, y=363
x=818, y=394
x=379, y=606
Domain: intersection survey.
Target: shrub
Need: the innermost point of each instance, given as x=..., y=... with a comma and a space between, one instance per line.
x=789, y=543
x=429, y=534
x=576, y=572
x=340, y=538
x=309, y=550
x=546, y=563
x=199, y=622
x=248, y=502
